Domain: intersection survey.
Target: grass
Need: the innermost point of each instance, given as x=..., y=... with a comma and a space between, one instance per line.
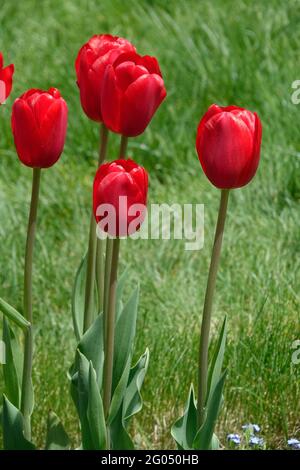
x=223, y=51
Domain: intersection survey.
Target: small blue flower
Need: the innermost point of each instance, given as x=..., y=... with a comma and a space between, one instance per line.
x=252, y=427
x=256, y=441
x=294, y=443
x=234, y=438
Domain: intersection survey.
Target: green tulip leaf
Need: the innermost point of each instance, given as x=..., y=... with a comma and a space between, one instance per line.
x=185, y=428
x=203, y=439
x=13, y=315
x=215, y=443
x=119, y=294
x=119, y=393
x=78, y=299
x=216, y=364
x=91, y=346
x=120, y=439
x=12, y=368
x=83, y=400
x=133, y=400
x=57, y=438
x=13, y=428
x=95, y=412
x=124, y=336
x=78, y=296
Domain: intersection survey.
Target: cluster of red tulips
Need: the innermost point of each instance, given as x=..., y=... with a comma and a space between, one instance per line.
x=121, y=90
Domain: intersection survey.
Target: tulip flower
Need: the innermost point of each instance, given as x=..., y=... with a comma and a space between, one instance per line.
x=132, y=90
x=39, y=124
x=228, y=145
x=6, y=75
x=90, y=65
x=119, y=194
x=121, y=178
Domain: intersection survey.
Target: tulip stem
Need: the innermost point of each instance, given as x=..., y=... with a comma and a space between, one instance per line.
x=90, y=277
x=92, y=252
x=123, y=147
x=100, y=243
x=26, y=398
x=110, y=327
x=207, y=309
x=108, y=258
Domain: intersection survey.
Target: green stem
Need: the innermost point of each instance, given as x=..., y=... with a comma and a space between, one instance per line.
x=108, y=254
x=26, y=398
x=100, y=243
x=207, y=309
x=123, y=147
x=92, y=251
x=90, y=276
x=110, y=327
x=108, y=257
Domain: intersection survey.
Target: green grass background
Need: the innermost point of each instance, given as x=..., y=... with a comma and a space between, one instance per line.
x=225, y=51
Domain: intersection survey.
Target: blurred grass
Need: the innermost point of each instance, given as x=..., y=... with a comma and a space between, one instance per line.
x=225, y=51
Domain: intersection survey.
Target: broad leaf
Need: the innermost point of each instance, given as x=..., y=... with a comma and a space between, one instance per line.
x=119, y=294
x=124, y=336
x=120, y=439
x=133, y=401
x=119, y=393
x=184, y=430
x=215, y=443
x=57, y=438
x=83, y=399
x=95, y=413
x=11, y=369
x=203, y=439
x=13, y=315
x=215, y=368
x=91, y=346
x=13, y=428
x=126, y=402
x=78, y=297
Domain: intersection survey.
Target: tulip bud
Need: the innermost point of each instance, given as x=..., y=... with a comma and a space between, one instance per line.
x=120, y=197
x=6, y=75
x=228, y=145
x=132, y=91
x=39, y=125
x=90, y=64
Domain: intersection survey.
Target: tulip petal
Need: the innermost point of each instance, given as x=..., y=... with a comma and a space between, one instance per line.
x=225, y=146
x=128, y=72
x=252, y=165
x=53, y=132
x=110, y=100
x=6, y=75
x=26, y=134
x=41, y=106
x=140, y=102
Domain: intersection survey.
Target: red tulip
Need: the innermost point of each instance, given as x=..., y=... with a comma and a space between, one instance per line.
x=120, y=184
x=39, y=124
x=132, y=90
x=90, y=64
x=6, y=75
x=228, y=145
